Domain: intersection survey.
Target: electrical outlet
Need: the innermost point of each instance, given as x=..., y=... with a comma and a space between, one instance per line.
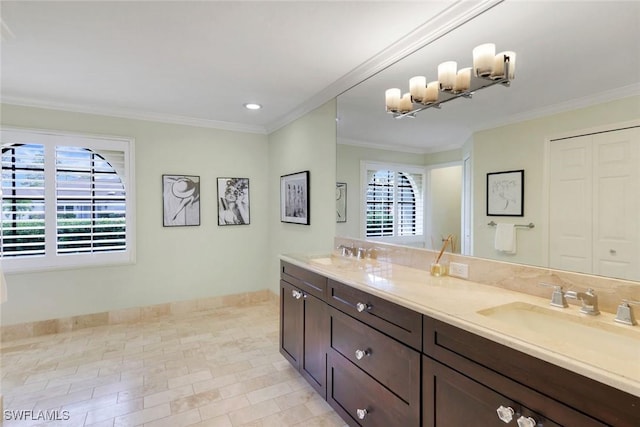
x=460, y=270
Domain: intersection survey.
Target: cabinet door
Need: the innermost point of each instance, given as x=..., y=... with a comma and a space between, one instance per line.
x=315, y=341
x=291, y=323
x=451, y=399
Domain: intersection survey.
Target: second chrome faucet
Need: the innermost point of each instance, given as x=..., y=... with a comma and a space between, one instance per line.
x=588, y=298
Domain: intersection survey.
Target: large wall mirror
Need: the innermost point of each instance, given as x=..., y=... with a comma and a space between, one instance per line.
x=577, y=75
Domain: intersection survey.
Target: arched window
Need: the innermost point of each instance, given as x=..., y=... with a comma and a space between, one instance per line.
x=394, y=202
x=66, y=201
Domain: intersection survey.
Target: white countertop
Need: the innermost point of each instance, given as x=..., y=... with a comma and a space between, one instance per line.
x=458, y=302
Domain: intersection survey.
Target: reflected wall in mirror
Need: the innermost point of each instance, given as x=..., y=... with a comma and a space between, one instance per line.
x=578, y=74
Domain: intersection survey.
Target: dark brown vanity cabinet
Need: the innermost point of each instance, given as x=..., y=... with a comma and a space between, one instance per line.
x=304, y=324
x=380, y=364
x=470, y=380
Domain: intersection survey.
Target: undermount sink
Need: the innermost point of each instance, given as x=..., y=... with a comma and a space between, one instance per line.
x=567, y=329
x=331, y=260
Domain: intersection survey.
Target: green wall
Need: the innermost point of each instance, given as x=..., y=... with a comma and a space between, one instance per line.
x=522, y=146
x=184, y=263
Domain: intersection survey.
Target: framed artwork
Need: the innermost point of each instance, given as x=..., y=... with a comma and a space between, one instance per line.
x=233, y=201
x=505, y=193
x=180, y=200
x=294, y=198
x=341, y=202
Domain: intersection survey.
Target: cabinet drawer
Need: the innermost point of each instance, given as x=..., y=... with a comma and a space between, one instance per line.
x=304, y=280
x=480, y=358
x=391, y=363
x=401, y=323
x=351, y=389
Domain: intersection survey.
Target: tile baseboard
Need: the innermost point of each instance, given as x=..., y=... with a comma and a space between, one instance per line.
x=131, y=315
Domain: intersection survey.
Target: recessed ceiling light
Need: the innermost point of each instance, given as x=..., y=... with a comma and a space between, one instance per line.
x=251, y=106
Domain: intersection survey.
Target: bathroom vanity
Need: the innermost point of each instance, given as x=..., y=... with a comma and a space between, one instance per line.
x=388, y=345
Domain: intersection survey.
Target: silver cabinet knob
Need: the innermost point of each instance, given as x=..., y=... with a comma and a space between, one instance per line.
x=526, y=422
x=612, y=251
x=361, y=413
x=362, y=307
x=362, y=353
x=296, y=294
x=505, y=414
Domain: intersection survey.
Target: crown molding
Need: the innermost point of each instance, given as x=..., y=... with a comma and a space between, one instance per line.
x=573, y=104
x=136, y=115
x=441, y=24
x=399, y=148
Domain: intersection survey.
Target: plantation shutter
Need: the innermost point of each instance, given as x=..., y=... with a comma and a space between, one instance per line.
x=90, y=201
x=22, y=229
x=394, y=205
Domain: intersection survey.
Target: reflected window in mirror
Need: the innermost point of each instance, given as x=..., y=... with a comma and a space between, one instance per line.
x=394, y=209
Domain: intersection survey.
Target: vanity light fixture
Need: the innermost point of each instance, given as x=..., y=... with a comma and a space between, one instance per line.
x=252, y=106
x=488, y=70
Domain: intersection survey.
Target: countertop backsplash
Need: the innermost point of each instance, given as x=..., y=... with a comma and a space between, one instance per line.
x=515, y=277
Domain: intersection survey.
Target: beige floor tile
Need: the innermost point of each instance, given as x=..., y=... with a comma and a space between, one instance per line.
x=144, y=416
x=217, y=367
x=253, y=412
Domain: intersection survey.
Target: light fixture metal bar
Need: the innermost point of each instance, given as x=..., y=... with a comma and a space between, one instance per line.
x=476, y=84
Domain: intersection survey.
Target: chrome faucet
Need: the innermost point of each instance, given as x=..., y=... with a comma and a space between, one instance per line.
x=557, y=298
x=346, y=250
x=589, y=301
x=625, y=314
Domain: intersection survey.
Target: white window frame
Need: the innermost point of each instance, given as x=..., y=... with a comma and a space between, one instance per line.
x=51, y=260
x=416, y=240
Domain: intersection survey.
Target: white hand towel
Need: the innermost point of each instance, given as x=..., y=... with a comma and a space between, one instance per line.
x=505, y=238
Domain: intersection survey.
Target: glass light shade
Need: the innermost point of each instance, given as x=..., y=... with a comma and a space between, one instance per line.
x=405, y=103
x=463, y=80
x=447, y=74
x=499, y=65
x=483, y=58
x=418, y=88
x=392, y=99
x=433, y=88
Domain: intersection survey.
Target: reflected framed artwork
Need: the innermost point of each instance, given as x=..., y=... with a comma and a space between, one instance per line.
x=294, y=198
x=180, y=200
x=233, y=201
x=505, y=193
x=341, y=202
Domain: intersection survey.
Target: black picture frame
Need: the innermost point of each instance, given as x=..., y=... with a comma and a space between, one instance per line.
x=234, y=206
x=180, y=200
x=341, y=202
x=294, y=198
x=505, y=193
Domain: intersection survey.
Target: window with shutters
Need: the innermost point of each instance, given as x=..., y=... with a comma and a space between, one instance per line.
x=66, y=200
x=394, y=202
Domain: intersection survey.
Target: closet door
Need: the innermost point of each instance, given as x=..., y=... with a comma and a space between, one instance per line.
x=570, y=202
x=616, y=212
x=594, y=212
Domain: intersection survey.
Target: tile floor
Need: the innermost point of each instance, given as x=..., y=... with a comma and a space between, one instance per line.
x=219, y=367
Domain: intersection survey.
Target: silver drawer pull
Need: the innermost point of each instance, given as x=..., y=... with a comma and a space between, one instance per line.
x=296, y=294
x=362, y=353
x=361, y=413
x=505, y=414
x=526, y=422
x=362, y=307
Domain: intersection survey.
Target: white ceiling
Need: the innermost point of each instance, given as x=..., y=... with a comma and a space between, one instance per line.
x=198, y=61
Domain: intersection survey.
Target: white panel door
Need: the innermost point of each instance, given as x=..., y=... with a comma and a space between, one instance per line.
x=616, y=237
x=570, y=201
